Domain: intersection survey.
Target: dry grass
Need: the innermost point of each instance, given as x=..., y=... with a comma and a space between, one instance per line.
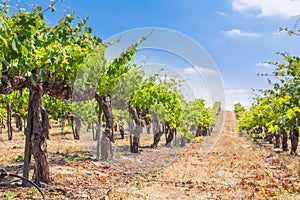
x=234, y=169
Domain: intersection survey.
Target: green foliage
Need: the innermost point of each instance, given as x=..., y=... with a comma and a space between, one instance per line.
x=88, y=75
x=128, y=83
x=86, y=110
x=56, y=107
x=18, y=101
x=121, y=116
x=215, y=112
x=19, y=158
x=238, y=108
x=115, y=70
x=70, y=160
x=31, y=47
x=68, y=51
x=278, y=108
x=138, y=184
x=3, y=113
x=10, y=196
x=194, y=113
x=98, y=74
x=35, y=191
x=149, y=95
x=197, y=139
x=190, y=111
x=204, y=114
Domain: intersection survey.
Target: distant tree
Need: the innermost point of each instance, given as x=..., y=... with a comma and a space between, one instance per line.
x=238, y=109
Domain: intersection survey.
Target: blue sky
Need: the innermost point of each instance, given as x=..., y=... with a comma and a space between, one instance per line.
x=237, y=34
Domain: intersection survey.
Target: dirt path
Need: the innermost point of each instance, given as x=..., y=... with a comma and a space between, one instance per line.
x=234, y=169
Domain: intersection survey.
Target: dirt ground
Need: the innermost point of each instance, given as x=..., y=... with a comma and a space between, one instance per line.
x=225, y=165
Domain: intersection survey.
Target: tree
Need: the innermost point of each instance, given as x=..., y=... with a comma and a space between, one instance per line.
x=149, y=95
x=7, y=101
x=44, y=59
x=97, y=79
x=238, y=109
x=15, y=105
x=277, y=111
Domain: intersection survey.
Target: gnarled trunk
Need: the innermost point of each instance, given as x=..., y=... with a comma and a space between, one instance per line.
x=143, y=116
x=157, y=131
x=98, y=133
x=156, y=139
x=1, y=125
x=294, y=140
x=77, y=128
x=122, y=131
x=36, y=133
x=170, y=137
x=62, y=123
x=9, y=127
x=107, y=110
x=89, y=126
x=269, y=138
x=169, y=133
x=137, y=130
x=284, y=140
x=104, y=143
x=198, y=131
x=277, y=140
x=148, y=125
x=19, y=124
x=130, y=126
x=106, y=146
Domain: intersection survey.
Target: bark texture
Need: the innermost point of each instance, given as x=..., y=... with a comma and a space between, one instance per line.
x=36, y=134
x=19, y=124
x=294, y=141
x=105, y=106
x=277, y=141
x=9, y=116
x=284, y=141
x=157, y=130
x=137, y=129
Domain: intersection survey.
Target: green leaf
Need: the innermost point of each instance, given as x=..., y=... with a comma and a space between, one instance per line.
x=3, y=24
x=38, y=9
x=86, y=34
x=14, y=46
x=33, y=79
x=4, y=41
x=42, y=74
x=24, y=50
x=296, y=109
x=290, y=113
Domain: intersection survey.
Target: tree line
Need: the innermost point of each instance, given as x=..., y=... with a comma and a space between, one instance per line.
x=60, y=72
x=275, y=112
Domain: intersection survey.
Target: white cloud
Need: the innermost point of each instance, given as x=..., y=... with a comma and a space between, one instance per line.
x=265, y=8
x=240, y=33
x=263, y=64
x=234, y=96
x=221, y=13
x=196, y=70
x=280, y=33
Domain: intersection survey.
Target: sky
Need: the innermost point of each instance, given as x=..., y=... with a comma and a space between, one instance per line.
x=237, y=35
